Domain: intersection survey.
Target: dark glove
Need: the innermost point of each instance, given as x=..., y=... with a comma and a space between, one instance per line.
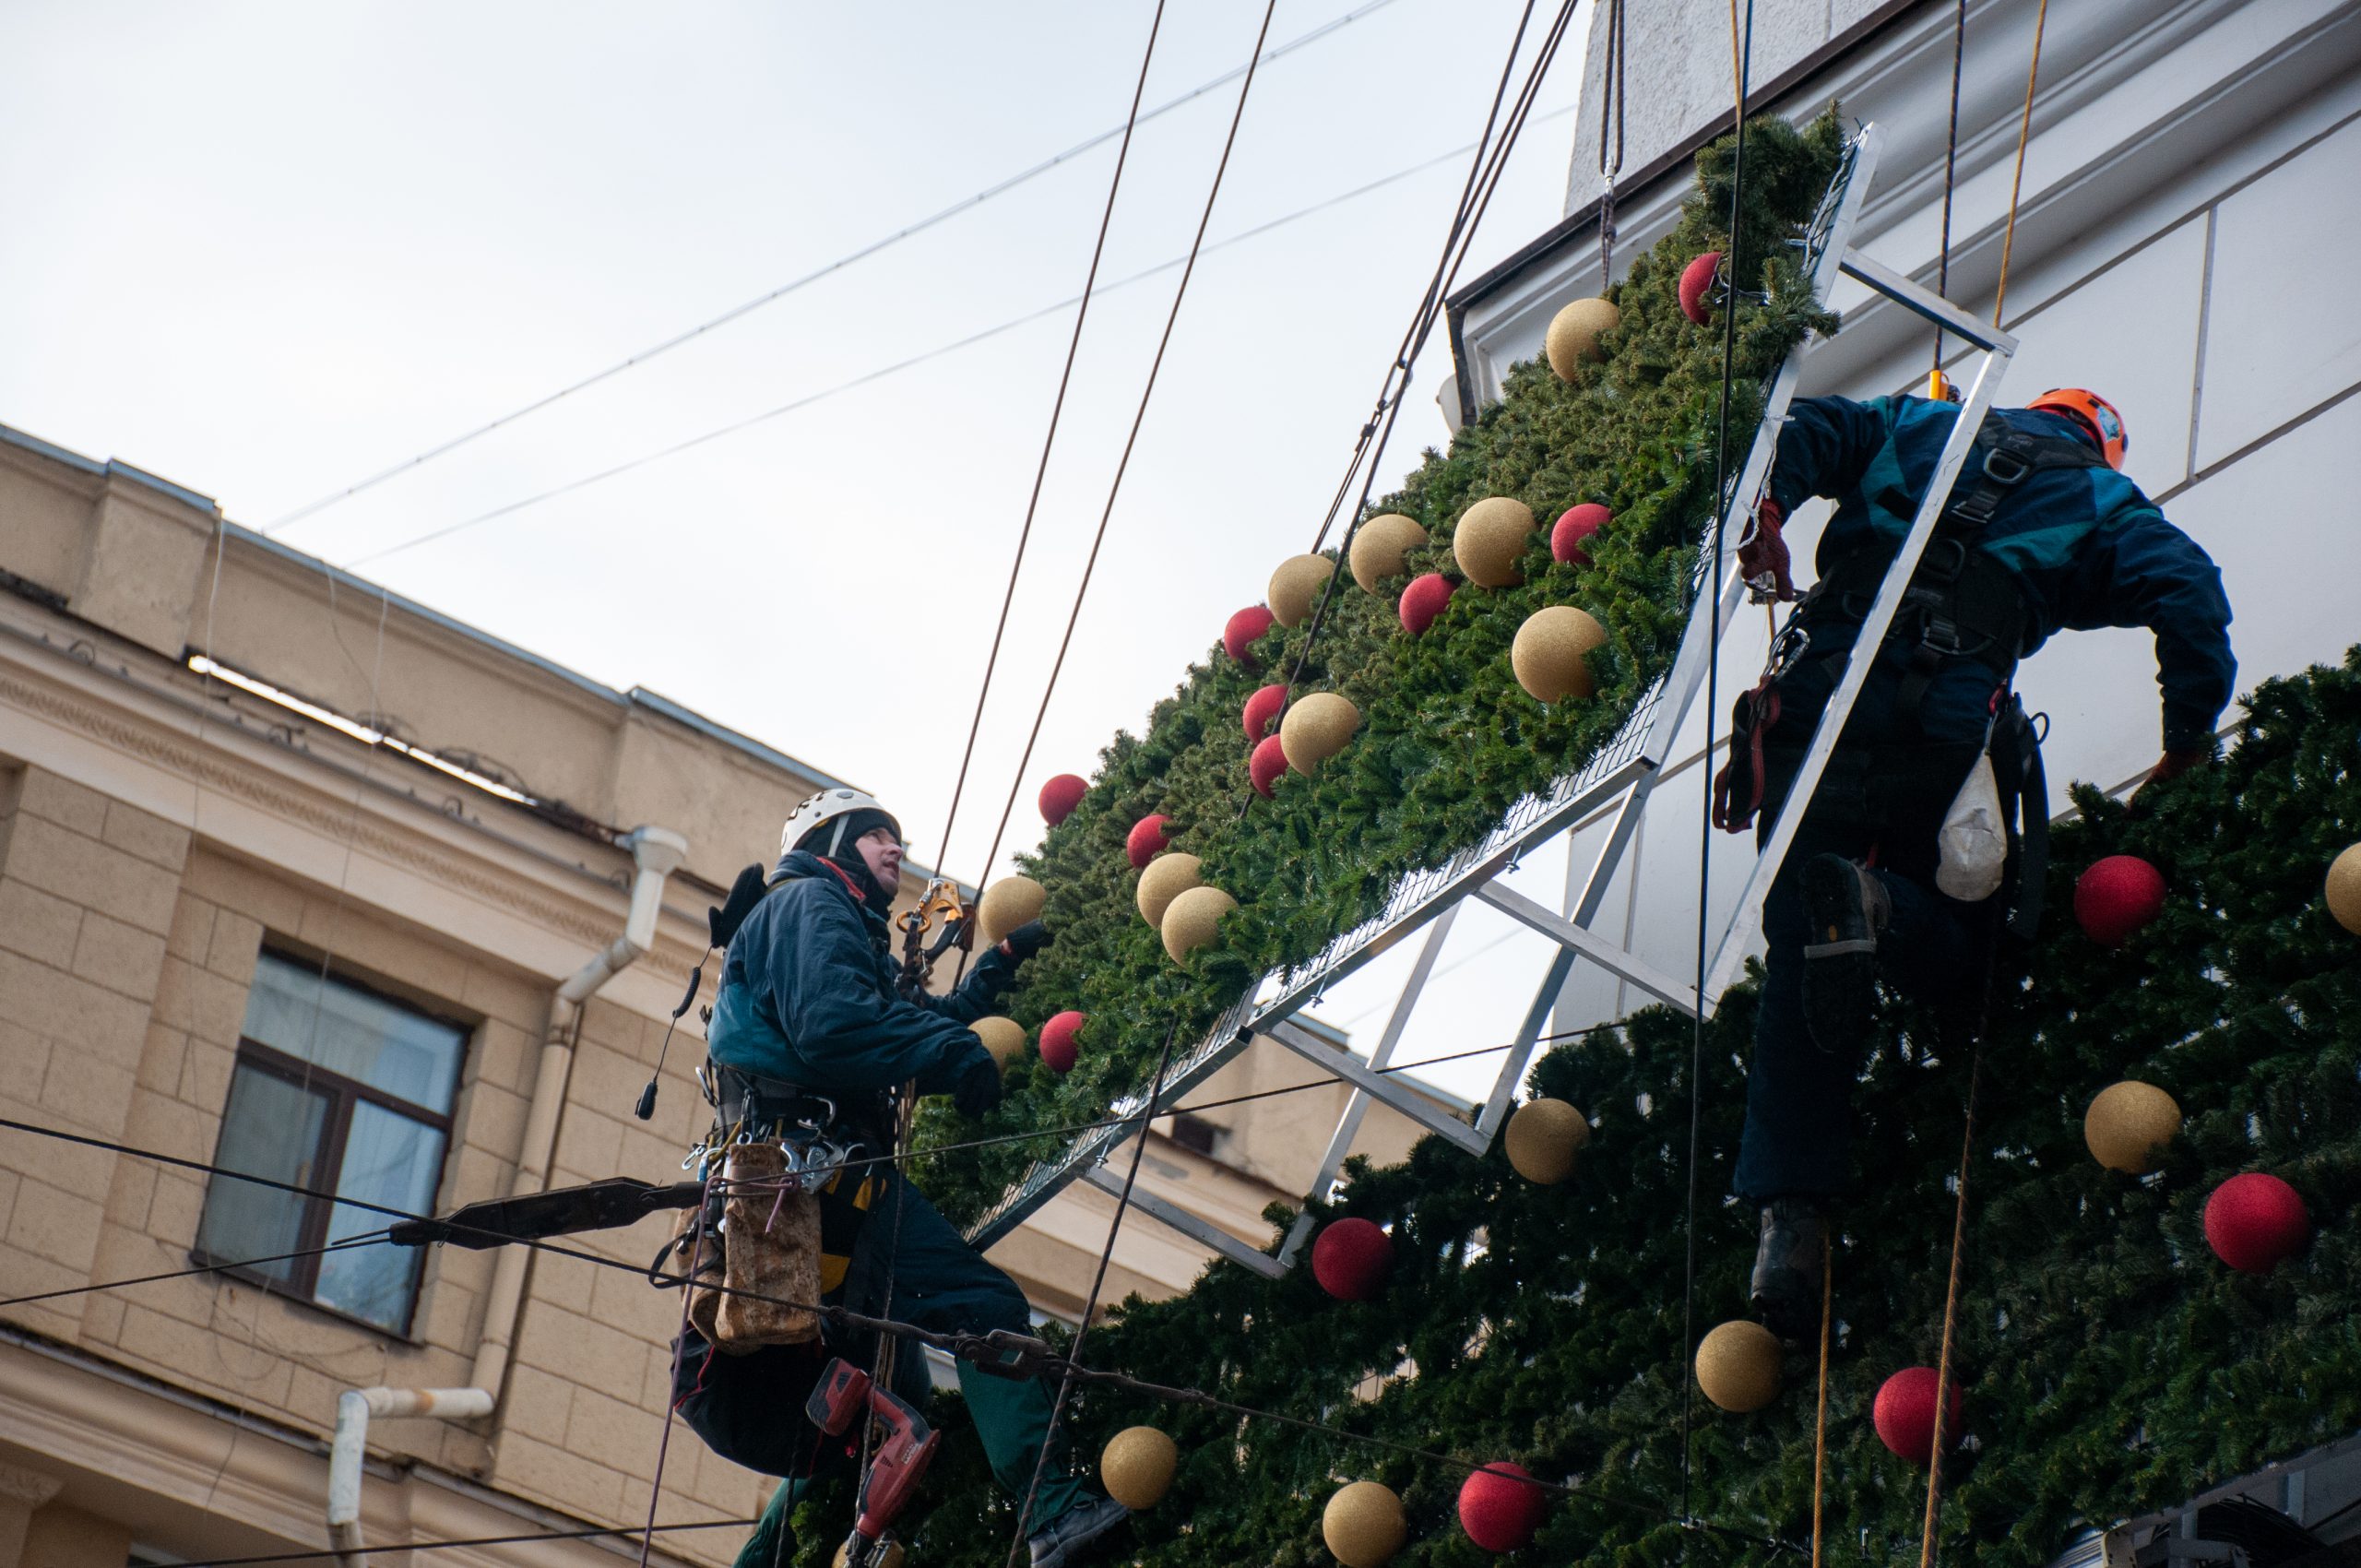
x=979, y=1088
x=1764, y=553
x=2172, y=765
x=1026, y=940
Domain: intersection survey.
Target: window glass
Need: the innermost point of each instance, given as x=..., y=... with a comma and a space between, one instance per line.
x=348, y=1031
x=271, y=1128
x=388, y=1159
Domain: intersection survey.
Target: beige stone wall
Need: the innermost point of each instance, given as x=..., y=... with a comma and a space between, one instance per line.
x=126, y=957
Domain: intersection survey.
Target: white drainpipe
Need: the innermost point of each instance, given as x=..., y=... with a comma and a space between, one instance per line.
x=353, y=1409
x=656, y=852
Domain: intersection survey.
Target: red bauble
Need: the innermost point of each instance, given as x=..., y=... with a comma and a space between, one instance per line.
x=1500, y=1512
x=1904, y=1414
x=1060, y=795
x=1577, y=525
x=1238, y=636
x=1147, y=840
x=1696, y=282
x=2255, y=1222
x=1424, y=599
x=1058, y=1040
x=1267, y=766
x=2117, y=897
x=1262, y=710
x=1351, y=1258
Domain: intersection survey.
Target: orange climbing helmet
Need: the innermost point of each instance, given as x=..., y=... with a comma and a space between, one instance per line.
x=2094, y=412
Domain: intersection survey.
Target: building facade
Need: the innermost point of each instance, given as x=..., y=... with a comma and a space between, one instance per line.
x=302, y=880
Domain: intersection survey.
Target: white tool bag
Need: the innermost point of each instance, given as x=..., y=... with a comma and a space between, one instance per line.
x=1974, y=839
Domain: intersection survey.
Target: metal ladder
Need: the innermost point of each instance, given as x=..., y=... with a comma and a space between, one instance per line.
x=1614, y=786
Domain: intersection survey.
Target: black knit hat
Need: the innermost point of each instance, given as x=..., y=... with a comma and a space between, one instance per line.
x=837, y=835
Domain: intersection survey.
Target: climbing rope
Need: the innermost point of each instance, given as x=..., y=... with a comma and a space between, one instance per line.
x=680, y=1334
x=1741, y=62
x=1820, y=1421
x=1057, y=409
x=1610, y=139
x=1934, y=379
x=2017, y=180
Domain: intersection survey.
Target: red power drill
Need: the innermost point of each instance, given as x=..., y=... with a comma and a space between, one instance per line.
x=844, y=1393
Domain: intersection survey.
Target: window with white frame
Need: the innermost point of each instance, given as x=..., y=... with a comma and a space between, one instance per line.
x=338, y=1090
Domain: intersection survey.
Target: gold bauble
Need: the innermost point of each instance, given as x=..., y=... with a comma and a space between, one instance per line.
x=1007, y=904
x=1491, y=538
x=1548, y=653
x=1379, y=546
x=2344, y=889
x=1542, y=1138
x=2128, y=1124
x=1316, y=728
x=1136, y=1466
x=1575, y=332
x=1167, y=877
x=1738, y=1366
x=1191, y=919
x=1297, y=585
x=1363, y=1524
x=1003, y=1037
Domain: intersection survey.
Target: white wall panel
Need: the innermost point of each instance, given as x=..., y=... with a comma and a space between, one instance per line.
x=2286, y=331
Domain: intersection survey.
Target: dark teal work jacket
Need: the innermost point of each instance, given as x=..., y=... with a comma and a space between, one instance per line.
x=2088, y=548
x=808, y=995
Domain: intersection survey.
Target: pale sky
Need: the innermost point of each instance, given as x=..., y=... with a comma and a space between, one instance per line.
x=267, y=250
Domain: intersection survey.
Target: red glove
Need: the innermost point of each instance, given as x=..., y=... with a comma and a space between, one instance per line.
x=1763, y=554
x=2172, y=765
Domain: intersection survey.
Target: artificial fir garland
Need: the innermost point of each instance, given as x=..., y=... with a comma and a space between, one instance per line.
x=2112, y=1365
x=1449, y=741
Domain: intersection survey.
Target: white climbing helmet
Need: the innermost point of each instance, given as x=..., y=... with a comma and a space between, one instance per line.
x=818, y=811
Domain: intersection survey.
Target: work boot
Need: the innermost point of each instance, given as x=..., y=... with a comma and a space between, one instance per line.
x=1847, y=908
x=1076, y=1533
x=1789, y=1264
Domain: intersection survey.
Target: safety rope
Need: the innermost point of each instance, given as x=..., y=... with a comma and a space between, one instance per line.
x=1610, y=117
x=2017, y=180
x=1131, y=441
x=673, y=1406
x=1741, y=61
x=1057, y=409
x=1950, y=165
x=1820, y=1422
x=1090, y=1304
x=1959, y=1246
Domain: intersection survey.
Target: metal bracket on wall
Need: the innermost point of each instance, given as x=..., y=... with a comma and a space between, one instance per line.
x=1614, y=785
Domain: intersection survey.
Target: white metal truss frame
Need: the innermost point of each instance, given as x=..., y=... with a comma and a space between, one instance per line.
x=1615, y=783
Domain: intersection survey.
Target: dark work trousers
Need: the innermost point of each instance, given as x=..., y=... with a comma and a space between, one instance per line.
x=749, y=1409
x=1883, y=798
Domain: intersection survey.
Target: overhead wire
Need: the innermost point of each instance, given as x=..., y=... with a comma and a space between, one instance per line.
x=596, y=1533
x=1710, y=584
x=908, y=362
x=1049, y=441
x=965, y=203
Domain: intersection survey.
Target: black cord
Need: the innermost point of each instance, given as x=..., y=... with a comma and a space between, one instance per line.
x=365, y=1238
x=1951, y=164
x=1711, y=585
x=323, y=1556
